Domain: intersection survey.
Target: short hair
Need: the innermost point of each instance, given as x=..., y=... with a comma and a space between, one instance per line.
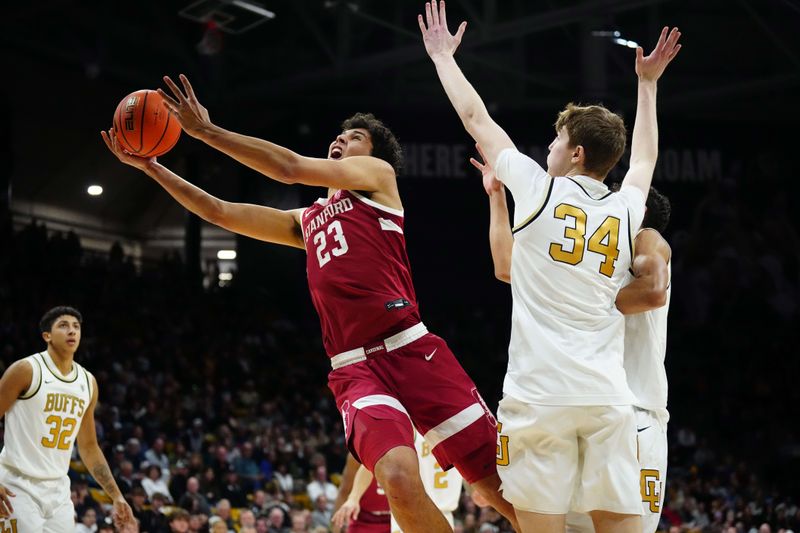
x=384, y=144
x=658, y=209
x=601, y=133
x=50, y=317
x=179, y=514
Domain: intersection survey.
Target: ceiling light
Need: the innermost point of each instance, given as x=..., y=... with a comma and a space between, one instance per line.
x=95, y=190
x=226, y=254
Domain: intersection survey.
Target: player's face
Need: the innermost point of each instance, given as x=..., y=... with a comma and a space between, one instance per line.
x=349, y=143
x=561, y=157
x=65, y=334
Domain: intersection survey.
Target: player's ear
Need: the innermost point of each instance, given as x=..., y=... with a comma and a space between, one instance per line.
x=46, y=336
x=578, y=155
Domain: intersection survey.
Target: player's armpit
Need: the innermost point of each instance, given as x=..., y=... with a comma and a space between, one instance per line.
x=15, y=381
x=261, y=222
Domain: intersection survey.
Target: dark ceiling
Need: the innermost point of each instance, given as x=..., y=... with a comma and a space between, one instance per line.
x=68, y=63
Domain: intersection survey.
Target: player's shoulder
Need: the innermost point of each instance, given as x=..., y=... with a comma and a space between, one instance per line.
x=651, y=239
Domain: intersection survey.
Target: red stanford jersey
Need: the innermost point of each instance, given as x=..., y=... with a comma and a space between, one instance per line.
x=374, y=507
x=358, y=271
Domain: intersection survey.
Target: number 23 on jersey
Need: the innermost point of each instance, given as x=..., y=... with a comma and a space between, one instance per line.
x=321, y=242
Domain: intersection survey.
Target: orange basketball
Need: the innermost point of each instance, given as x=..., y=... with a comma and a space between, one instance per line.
x=144, y=126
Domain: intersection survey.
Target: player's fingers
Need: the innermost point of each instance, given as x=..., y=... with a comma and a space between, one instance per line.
x=639, y=54
x=674, y=52
x=461, y=29
x=475, y=163
x=428, y=15
x=355, y=513
x=6, y=504
x=435, y=12
x=174, y=88
x=422, y=27
x=169, y=102
x=188, y=87
x=443, y=15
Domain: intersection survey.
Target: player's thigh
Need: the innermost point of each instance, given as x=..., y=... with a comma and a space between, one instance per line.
x=579, y=523
x=444, y=405
x=609, y=478
x=537, y=455
x=27, y=515
x=652, y=440
x=62, y=520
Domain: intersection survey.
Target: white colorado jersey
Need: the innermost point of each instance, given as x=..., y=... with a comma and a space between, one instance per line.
x=645, y=350
x=572, y=248
x=42, y=425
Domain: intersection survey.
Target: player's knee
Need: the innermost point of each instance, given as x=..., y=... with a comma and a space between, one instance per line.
x=399, y=478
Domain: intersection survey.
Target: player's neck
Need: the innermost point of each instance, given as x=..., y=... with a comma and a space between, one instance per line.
x=63, y=360
x=579, y=171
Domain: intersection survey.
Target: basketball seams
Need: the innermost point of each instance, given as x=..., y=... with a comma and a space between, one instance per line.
x=163, y=132
x=147, y=124
x=141, y=123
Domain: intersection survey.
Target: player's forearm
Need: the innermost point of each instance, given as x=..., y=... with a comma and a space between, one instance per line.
x=98, y=466
x=644, y=144
x=465, y=99
x=501, y=240
x=193, y=198
x=361, y=483
x=268, y=158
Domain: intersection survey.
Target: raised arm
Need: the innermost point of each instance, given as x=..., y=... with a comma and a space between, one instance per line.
x=361, y=173
x=441, y=46
x=259, y=222
x=644, y=144
x=92, y=457
x=501, y=240
x=648, y=290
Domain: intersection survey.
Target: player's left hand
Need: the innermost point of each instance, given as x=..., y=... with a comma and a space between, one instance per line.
x=348, y=511
x=652, y=66
x=122, y=516
x=436, y=36
x=188, y=111
x=490, y=182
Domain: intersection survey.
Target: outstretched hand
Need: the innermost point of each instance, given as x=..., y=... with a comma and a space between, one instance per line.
x=651, y=68
x=188, y=111
x=123, y=516
x=490, y=182
x=348, y=511
x=5, y=503
x=110, y=138
x=436, y=36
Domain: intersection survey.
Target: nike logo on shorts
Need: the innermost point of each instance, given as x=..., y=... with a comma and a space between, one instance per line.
x=430, y=355
x=639, y=430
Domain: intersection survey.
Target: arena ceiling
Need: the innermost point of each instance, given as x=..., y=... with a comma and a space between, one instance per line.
x=69, y=62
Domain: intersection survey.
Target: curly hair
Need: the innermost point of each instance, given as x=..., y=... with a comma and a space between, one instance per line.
x=601, y=133
x=49, y=318
x=656, y=216
x=384, y=144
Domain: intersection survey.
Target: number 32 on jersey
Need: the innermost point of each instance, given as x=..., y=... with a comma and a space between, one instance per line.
x=604, y=241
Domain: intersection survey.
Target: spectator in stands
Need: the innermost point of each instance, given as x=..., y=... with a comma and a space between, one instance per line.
x=88, y=521
x=223, y=511
x=300, y=521
x=247, y=519
x=284, y=477
x=148, y=520
x=321, y=486
x=154, y=482
x=198, y=523
x=192, y=500
x=321, y=515
x=125, y=477
x=245, y=466
x=233, y=490
x=83, y=499
x=178, y=479
x=277, y=519
x=155, y=456
x=179, y=521
x=217, y=525
x=133, y=452
x=262, y=524
x=259, y=503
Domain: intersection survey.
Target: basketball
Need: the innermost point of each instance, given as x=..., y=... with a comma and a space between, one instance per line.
x=144, y=126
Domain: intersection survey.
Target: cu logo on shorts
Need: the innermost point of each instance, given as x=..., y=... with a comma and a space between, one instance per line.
x=650, y=484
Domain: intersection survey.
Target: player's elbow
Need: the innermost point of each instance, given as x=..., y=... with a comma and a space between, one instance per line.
x=503, y=274
x=217, y=213
x=290, y=170
x=655, y=298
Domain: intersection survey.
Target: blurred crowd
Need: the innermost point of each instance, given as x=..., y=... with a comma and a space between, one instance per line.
x=215, y=416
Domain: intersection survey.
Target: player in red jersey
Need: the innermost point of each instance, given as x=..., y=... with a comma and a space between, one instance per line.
x=373, y=514
x=388, y=372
